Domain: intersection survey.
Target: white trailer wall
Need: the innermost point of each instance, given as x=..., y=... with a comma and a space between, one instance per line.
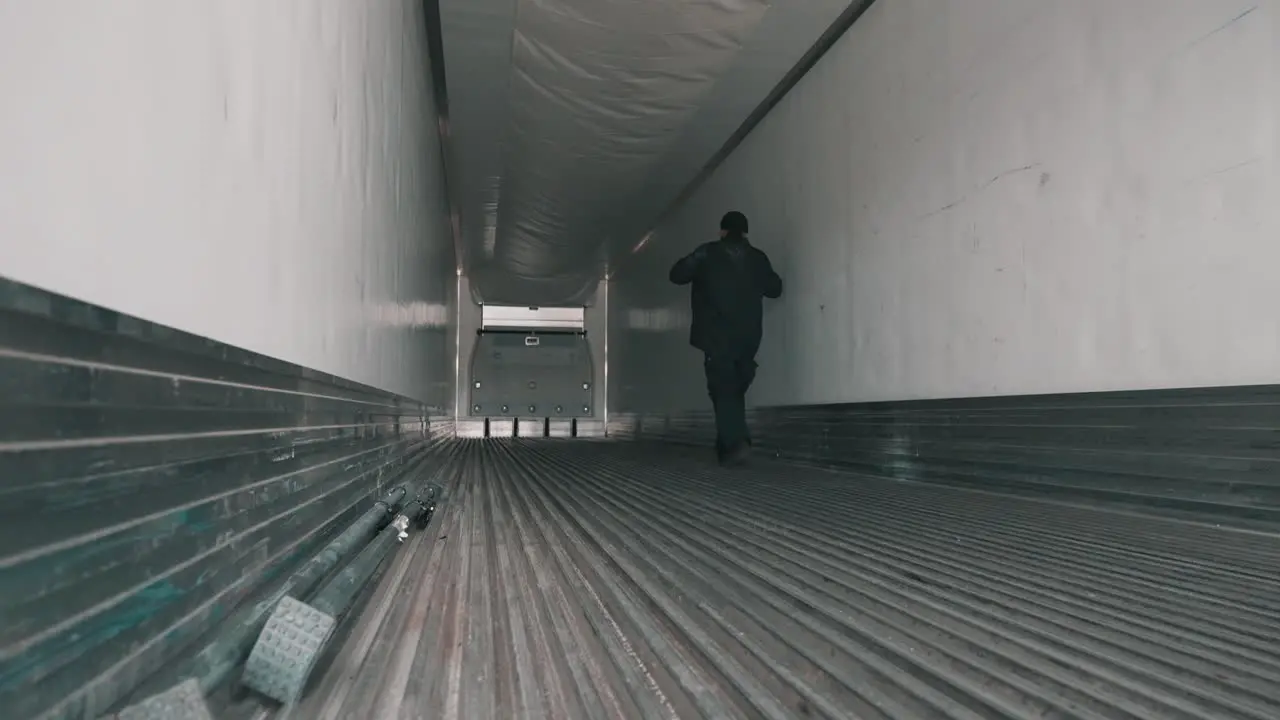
x=998, y=197
x=267, y=174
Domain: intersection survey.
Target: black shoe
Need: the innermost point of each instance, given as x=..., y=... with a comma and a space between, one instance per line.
x=738, y=456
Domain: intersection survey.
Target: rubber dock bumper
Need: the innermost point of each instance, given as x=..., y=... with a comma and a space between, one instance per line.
x=583, y=579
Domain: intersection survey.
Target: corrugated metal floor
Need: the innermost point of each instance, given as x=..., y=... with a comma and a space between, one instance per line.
x=581, y=579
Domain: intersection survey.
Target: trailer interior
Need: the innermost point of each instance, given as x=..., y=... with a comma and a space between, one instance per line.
x=341, y=376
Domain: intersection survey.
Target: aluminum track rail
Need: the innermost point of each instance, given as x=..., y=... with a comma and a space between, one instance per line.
x=580, y=579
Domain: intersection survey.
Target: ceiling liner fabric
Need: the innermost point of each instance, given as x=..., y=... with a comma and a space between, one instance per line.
x=598, y=92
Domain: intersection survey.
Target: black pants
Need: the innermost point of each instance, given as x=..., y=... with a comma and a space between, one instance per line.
x=728, y=378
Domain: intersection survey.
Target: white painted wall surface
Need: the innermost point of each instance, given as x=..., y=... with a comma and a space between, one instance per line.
x=264, y=173
x=983, y=197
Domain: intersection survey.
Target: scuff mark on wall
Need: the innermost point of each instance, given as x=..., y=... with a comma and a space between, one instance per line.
x=996, y=178
x=1219, y=29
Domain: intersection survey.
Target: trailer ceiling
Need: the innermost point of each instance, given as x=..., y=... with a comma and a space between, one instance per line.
x=573, y=124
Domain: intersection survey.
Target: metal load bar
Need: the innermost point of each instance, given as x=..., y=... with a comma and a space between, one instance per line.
x=579, y=580
x=215, y=663
x=297, y=633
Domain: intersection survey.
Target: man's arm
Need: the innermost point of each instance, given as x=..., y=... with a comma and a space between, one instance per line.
x=686, y=268
x=770, y=282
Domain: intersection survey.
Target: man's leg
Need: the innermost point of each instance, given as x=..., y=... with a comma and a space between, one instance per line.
x=715, y=413
x=723, y=384
x=746, y=370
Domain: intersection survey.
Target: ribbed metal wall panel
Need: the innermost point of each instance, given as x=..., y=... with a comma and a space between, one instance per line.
x=586, y=579
x=149, y=481
x=1205, y=452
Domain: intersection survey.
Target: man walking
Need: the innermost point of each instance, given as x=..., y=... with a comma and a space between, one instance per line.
x=730, y=277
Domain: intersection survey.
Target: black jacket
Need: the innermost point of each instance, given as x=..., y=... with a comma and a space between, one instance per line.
x=730, y=279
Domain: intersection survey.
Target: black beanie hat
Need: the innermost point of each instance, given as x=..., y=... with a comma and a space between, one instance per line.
x=734, y=222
